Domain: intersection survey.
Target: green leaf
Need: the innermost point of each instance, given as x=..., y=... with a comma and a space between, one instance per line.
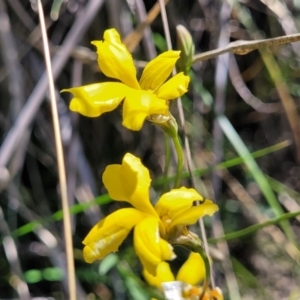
x=108, y=263
x=33, y=276
x=160, y=42
x=53, y=274
x=135, y=290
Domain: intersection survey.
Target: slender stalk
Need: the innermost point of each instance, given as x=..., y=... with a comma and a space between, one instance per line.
x=60, y=161
x=205, y=258
x=251, y=229
x=182, y=122
x=195, y=245
x=245, y=47
x=167, y=162
x=221, y=79
x=179, y=152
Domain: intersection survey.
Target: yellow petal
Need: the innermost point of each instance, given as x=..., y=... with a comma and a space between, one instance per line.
x=95, y=99
x=158, y=70
x=176, y=207
x=174, y=87
x=176, y=201
x=138, y=105
x=109, y=233
x=215, y=294
x=114, y=59
x=190, y=216
x=129, y=182
x=193, y=270
x=163, y=274
x=149, y=247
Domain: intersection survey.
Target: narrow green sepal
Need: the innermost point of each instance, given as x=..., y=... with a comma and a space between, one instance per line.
x=186, y=45
x=191, y=242
x=167, y=124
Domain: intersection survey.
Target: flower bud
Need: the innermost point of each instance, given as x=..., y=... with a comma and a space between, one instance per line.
x=168, y=124
x=186, y=45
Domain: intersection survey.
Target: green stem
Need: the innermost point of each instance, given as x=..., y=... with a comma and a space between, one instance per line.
x=167, y=162
x=205, y=258
x=179, y=152
x=194, y=245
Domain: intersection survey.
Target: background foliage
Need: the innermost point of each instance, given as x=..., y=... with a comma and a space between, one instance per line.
x=235, y=105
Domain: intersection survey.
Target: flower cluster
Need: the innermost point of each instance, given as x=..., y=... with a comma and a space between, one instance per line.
x=155, y=227
x=142, y=99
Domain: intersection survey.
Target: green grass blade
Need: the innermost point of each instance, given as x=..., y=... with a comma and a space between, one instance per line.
x=256, y=172
x=226, y=164
x=75, y=209
x=279, y=187
x=251, y=229
x=248, y=279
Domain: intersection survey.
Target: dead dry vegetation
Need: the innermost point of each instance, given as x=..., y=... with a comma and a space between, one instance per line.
x=236, y=104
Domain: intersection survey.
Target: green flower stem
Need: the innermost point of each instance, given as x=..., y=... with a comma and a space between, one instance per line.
x=193, y=243
x=179, y=152
x=169, y=126
x=201, y=251
x=167, y=162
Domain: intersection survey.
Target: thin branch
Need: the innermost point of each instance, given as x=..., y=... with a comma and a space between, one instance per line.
x=245, y=93
x=244, y=47
x=148, y=43
x=11, y=252
x=133, y=39
x=10, y=59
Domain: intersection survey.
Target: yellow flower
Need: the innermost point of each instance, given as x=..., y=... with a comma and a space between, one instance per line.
x=191, y=273
x=142, y=98
x=193, y=270
x=154, y=227
x=163, y=274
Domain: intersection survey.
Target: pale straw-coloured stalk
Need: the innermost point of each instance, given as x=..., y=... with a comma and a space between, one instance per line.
x=221, y=78
x=60, y=161
x=182, y=122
